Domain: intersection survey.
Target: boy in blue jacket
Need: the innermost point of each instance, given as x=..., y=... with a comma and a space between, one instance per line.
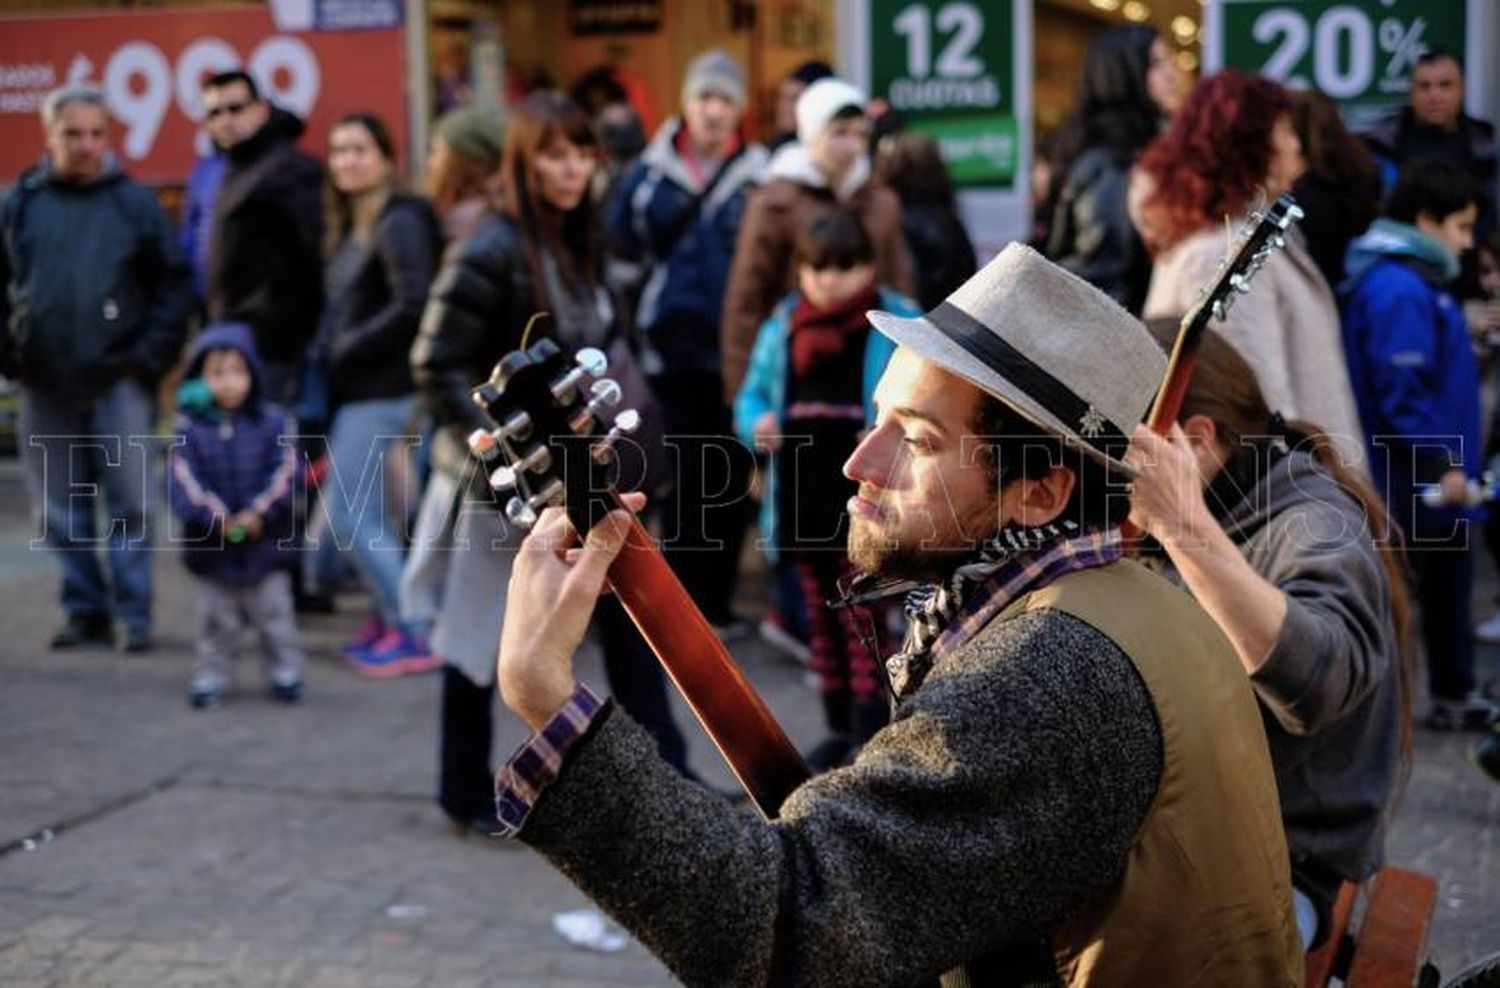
x=807, y=399
x=1416, y=382
x=230, y=479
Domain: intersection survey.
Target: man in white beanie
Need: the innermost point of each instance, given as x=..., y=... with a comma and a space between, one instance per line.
x=827, y=167
x=674, y=219
x=1075, y=787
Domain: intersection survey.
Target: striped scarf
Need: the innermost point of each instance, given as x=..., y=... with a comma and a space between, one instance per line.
x=942, y=616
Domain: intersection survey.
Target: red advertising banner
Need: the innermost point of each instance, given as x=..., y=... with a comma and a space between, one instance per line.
x=152, y=63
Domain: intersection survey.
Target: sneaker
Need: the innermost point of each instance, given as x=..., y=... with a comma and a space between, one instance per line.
x=368, y=634
x=1488, y=631
x=1486, y=753
x=287, y=692
x=1473, y=713
x=773, y=634
x=83, y=632
x=205, y=698
x=394, y=654
x=137, y=640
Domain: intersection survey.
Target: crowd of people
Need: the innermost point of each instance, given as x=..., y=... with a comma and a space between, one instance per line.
x=1014, y=698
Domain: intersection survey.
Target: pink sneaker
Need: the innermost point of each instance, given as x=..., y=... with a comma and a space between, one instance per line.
x=365, y=638
x=394, y=654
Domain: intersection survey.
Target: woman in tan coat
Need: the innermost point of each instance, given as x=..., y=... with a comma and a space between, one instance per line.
x=827, y=166
x=1232, y=144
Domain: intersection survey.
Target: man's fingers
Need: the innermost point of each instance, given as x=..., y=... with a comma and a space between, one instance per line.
x=599, y=551
x=634, y=500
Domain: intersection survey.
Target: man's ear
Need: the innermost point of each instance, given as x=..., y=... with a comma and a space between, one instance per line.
x=1042, y=500
x=1201, y=431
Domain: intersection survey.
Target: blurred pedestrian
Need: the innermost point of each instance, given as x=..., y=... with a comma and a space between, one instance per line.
x=231, y=474
x=912, y=166
x=202, y=192
x=382, y=251
x=826, y=168
x=622, y=138
x=1129, y=87
x=539, y=253
x=675, y=216
x=264, y=259
x=1433, y=124
x=788, y=91
x=92, y=315
x=1230, y=147
x=461, y=167
x=807, y=400
x=1339, y=190
x=1296, y=559
x=1417, y=382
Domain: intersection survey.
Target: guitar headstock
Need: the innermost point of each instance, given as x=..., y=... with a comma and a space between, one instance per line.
x=553, y=428
x=1263, y=235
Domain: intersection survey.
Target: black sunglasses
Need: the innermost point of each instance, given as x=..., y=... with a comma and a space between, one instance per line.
x=231, y=108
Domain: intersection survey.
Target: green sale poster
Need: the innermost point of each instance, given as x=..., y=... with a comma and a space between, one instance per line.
x=947, y=66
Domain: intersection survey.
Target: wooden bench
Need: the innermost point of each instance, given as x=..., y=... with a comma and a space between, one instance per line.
x=1389, y=948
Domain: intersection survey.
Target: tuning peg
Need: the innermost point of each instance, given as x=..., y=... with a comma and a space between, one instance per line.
x=521, y=514
x=606, y=391
x=516, y=427
x=483, y=444
x=592, y=361
x=504, y=479
x=626, y=423
x=538, y=459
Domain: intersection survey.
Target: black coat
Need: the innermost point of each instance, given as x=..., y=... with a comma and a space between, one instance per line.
x=476, y=313
x=1334, y=217
x=941, y=248
x=92, y=285
x=1091, y=233
x=265, y=265
x=368, y=337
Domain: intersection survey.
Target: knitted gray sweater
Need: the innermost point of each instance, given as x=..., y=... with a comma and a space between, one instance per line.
x=1003, y=797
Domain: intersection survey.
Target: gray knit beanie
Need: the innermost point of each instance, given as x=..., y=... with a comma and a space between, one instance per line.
x=715, y=71
x=474, y=132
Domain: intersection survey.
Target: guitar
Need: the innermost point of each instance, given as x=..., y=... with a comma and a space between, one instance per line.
x=550, y=444
x=1264, y=234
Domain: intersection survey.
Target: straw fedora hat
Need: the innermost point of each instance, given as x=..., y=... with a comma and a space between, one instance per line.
x=1047, y=344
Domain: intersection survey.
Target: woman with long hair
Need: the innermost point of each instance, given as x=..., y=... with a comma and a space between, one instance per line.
x=381, y=251
x=911, y=165
x=1295, y=558
x=1231, y=147
x=1340, y=190
x=540, y=252
x=1128, y=88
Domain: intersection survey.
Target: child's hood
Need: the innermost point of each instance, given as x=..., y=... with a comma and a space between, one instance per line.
x=228, y=336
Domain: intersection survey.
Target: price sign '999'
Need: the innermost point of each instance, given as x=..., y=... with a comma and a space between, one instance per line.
x=140, y=85
x=1358, y=52
x=151, y=66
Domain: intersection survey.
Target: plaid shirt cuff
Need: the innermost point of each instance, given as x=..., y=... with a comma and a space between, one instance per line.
x=537, y=762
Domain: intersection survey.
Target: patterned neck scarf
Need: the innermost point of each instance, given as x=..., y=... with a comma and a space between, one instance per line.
x=943, y=616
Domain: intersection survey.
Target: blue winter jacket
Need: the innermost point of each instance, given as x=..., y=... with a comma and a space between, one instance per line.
x=686, y=258
x=766, y=383
x=1412, y=369
x=198, y=215
x=222, y=463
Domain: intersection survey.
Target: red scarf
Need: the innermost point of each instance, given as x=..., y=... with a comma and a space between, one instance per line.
x=822, y=334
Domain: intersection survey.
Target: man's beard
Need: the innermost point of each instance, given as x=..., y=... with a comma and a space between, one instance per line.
x=873, y=552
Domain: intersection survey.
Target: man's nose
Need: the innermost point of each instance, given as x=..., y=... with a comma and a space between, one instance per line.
x=871, y=459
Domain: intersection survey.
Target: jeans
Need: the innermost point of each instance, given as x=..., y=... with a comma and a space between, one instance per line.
x=74, y=452
x=363, y=515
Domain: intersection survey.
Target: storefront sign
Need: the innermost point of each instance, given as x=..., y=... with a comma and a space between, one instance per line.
x=612, y=16
x=151, y=65
x=946, y=66
x=1358, y=52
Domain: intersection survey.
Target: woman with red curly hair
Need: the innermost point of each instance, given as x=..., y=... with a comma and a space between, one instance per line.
x=1232, y=145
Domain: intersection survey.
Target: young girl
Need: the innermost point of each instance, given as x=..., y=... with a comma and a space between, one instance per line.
x=806, y=399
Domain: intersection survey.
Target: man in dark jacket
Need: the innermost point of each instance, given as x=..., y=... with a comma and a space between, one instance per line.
x=265, y=265
x=1434, y=125
x=677, y=215
x=93, y=314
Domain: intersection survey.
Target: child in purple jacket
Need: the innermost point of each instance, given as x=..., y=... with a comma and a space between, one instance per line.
x=230, y=478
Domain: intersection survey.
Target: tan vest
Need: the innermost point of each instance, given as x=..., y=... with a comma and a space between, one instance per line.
x=1206, y=898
